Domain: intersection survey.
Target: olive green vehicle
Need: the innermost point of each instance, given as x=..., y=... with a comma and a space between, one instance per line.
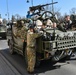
x=3, y=31
x=53, y=44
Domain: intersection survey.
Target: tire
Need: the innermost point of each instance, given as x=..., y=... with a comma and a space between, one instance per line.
x=11, y=49
x=69, y=54
x=73, y=55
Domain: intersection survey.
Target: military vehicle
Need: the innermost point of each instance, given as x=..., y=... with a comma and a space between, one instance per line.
x=3, y=31
x=53, y=43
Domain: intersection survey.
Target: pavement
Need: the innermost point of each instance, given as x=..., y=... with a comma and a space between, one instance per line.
x=6, y=68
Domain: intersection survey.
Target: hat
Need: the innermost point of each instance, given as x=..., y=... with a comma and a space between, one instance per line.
x=31, y=27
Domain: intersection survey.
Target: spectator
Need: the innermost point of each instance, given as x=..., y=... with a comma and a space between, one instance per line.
x=68, y=22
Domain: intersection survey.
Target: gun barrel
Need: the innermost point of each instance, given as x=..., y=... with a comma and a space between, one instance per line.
x=40, y=6
x=51, y=3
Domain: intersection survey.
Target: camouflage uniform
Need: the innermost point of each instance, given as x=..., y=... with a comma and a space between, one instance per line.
x=22, y=32
x=31, y=50
x=14, y=29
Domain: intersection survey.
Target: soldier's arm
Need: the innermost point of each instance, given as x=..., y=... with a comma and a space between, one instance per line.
x=14, y=31
x=36, y=35
x=61, y=28
x=24, y=33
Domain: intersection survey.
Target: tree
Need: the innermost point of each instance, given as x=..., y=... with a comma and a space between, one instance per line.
x=17, y=16
x=4, y=21
x=13, y=19
x=58, y=14
x=73, y=11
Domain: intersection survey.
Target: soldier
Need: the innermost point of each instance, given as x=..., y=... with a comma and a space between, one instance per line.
x=43, y=27
x=14, y=29
x=21, y=30
x=49, y=23
x=31, y=49
x=30, y=13
x=66, y=25
x=54, y=25
x=68, y=22
x=61, y=27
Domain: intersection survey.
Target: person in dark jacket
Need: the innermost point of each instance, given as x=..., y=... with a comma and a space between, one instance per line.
x=68, y=22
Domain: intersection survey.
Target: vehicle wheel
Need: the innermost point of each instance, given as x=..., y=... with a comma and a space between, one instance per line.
x=73, y=55
x=11, y=49
x=58, y=55
x=29, y=61
x=69, y=54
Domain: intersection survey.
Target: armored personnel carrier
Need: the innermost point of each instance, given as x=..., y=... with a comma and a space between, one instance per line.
x=53, y=43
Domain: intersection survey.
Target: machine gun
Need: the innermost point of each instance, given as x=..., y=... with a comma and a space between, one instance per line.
x=40, y=7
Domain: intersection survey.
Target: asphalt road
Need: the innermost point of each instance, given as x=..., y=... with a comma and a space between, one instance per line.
x=67, y=67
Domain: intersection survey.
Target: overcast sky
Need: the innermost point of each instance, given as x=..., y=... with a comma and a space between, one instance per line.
x=21, y=7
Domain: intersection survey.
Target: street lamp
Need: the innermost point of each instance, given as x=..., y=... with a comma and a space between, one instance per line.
x=31, y=2
x=27, y=1
x=7, y=10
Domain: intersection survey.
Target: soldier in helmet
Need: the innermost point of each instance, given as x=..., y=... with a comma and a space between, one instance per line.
x=66, y=25
x=21, y=30
x=31, y=48
x=30, y=13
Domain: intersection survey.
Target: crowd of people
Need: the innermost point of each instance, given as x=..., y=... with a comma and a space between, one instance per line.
x=38, y=26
